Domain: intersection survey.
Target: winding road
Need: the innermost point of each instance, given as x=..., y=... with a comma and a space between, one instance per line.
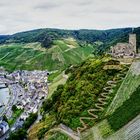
x=99, y=106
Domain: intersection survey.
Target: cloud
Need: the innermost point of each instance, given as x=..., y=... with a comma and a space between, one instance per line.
x=47, y=6
x=25, y=15
x=116, y=10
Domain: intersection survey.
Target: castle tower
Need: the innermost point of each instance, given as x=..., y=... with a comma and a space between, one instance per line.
x=133, y=42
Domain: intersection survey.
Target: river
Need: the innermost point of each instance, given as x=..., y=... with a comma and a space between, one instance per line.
x=4, y=97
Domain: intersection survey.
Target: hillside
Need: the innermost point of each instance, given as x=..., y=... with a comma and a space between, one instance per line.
x=55, y=49
x=31, y=56
x=47, y=36
x=129, y=85
x=122, y=115
x=98, y=91
x=88, y=87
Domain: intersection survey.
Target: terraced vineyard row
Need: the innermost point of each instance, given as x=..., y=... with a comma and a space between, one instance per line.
x=33, y=56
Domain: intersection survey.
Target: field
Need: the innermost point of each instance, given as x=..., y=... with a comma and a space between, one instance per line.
x=32, y=56
x=58, y=80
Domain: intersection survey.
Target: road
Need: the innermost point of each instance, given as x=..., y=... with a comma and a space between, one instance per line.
x=15, y=89
x=66, y=130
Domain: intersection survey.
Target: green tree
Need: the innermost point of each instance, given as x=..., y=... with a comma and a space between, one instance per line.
x=47, y=105
x=5, y=118
x=18, y=135
x=14, y=108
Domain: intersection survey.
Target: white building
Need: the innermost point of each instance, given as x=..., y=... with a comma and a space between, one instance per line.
x=4, y=127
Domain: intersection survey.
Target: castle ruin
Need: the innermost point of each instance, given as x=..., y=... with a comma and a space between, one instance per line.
x=125, y=50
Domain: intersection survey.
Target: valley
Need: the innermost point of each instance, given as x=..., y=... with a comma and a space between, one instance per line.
x=70, y=70
x=69, y=86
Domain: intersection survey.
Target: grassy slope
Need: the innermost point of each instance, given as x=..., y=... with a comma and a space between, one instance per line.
x=129, y=131
x=58, y=80
x=126, y=107
x=126, y=112
x=83, y=84
x=57, y=136
x=32, y=135
x=130, y=83
x=122, y=115
x=32, y=56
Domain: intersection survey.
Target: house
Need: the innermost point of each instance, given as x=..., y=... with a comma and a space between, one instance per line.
x=24, y=102
x=24, y=116
x=20, y=107
x=35, y=109
x=4, y=127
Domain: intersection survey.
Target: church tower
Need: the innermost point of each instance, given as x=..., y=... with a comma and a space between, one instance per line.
x=133, y=42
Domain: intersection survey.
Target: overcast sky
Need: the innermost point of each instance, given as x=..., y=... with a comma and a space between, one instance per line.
x=22, y=15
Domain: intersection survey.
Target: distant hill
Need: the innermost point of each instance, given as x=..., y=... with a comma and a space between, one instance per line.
x=24, y=50
x=45, y=36
x=3, y=38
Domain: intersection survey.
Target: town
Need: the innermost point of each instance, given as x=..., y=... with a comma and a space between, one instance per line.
x=27, y=91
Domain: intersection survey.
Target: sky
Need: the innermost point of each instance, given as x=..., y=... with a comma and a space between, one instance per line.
x=23, y=15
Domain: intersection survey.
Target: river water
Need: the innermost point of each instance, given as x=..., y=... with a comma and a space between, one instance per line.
x=4, y=97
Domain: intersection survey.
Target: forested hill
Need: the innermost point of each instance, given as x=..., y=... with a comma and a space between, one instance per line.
x=46, y=36
x=3, y=38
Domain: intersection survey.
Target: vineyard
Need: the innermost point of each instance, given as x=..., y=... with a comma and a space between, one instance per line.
x=122, y=117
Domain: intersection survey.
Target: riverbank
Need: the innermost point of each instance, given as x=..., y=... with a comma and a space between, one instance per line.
x=4, y=97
